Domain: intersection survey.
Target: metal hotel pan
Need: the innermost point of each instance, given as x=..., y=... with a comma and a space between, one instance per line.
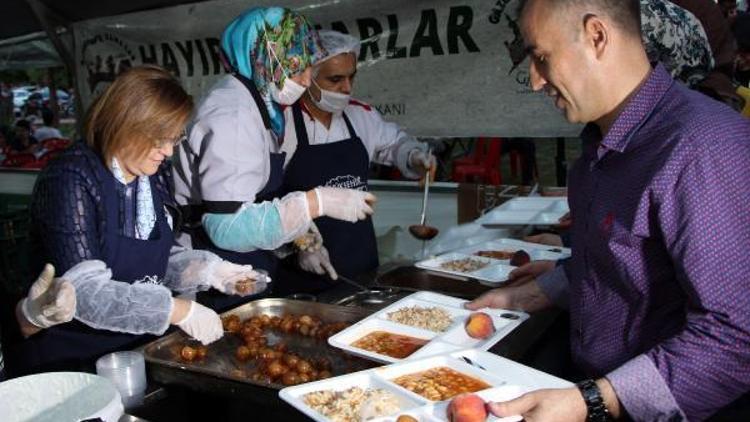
x=413, y=279
x=221, y=373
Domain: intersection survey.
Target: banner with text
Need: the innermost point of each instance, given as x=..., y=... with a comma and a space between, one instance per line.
x=439, y=68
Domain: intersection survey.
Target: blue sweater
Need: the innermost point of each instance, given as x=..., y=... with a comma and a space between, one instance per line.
x=68, y=218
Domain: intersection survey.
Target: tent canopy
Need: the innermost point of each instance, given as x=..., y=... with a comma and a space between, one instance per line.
x=19, y=19
x=23, y=43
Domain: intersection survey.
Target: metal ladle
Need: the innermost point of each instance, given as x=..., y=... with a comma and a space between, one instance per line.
x=351, y=282
x=422, y=231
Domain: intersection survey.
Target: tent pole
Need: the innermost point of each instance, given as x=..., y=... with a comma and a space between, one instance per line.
x=51, y=21
x=53, y=103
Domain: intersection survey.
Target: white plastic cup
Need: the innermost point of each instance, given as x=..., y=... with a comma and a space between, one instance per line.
x=127, y=371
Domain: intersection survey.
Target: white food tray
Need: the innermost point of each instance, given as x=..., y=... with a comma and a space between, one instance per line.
x=507, y=380
x=537, y=211
x=494, y=272
x=453, y=339
x=536, y=251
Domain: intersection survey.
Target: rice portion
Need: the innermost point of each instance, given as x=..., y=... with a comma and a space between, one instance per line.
x=354, y=404
x=432, y=318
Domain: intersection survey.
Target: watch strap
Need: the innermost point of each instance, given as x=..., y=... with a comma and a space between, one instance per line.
x=596, y=409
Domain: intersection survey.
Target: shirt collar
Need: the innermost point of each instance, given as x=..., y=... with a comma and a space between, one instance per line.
x=119, y=174
x=635, y=113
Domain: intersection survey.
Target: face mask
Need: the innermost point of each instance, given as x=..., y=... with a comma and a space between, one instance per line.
x=289, y=93
x=332, y=102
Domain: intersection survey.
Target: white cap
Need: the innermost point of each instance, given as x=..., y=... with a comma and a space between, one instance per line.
x=336, y=43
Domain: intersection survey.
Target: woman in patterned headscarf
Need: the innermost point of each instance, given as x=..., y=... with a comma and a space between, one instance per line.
x=267, y=46
x=230, y=170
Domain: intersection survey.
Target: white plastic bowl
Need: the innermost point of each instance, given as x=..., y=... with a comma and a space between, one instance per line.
x=59, y=396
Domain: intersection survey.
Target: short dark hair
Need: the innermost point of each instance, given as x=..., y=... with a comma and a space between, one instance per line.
x=626, y=14
x=24, y=124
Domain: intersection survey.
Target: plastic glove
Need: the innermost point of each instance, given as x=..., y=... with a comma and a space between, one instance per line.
x=344, y=204
x=317, y=262
x=107, y=304
x=266, y=225
x=50, y=301
x=423, y=162
x=194, y=270
x=202, y=324
x=233, y=279
x=310, y=241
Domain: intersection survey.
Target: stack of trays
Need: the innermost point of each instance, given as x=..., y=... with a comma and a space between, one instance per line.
x=400, y=332
x=421, y=389
x=538, y=211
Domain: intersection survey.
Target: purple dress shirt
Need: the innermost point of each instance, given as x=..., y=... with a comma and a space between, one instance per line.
x=659, y=282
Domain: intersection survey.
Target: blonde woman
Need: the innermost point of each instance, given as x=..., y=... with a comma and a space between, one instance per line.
x=99, y=214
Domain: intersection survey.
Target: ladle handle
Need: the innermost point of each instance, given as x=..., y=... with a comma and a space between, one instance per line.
x=426, y=190
x=353, y=283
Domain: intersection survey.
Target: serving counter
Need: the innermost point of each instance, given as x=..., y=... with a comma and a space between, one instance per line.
x=178, y=394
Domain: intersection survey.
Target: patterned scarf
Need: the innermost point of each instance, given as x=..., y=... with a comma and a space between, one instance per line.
x=145, y=216
x=267, y=45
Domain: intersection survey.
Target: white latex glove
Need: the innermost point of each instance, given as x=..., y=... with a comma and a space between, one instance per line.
x=50, y=301
x=202, y=324
x=310, y=241
x=344, y=204
x=234, y=279
x=422, y=160
x=317, y=262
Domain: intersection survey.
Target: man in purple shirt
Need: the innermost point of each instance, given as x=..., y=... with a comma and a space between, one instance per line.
x=658, y=285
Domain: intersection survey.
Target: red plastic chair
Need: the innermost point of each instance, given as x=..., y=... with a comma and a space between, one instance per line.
x=42, y=161
x=21, y=160
x=54, y=144
x=485, y=166
x=473, y=157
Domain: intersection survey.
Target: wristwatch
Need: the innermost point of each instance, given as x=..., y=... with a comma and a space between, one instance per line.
x=596, y=409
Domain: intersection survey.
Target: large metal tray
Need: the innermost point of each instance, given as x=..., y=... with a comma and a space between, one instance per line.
x=166, y=367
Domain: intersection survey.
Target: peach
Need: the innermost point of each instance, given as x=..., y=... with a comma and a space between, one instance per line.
x=479, y=325
x=467, y=408
x=520, y=258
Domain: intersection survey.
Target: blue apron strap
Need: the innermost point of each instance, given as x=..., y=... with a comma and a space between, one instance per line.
x=250, y=85
x=75, y=346
x=299, y=125
x=261, y=259
x=349, y=127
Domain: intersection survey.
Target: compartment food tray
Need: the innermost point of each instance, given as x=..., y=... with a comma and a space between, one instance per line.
x=452, y=339
x=536, y=251
x=493, y=272
x=506, y=380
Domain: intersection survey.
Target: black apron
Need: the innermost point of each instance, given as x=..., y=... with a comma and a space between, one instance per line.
x=74, y=345
x=351, y=246
x=259, y=259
